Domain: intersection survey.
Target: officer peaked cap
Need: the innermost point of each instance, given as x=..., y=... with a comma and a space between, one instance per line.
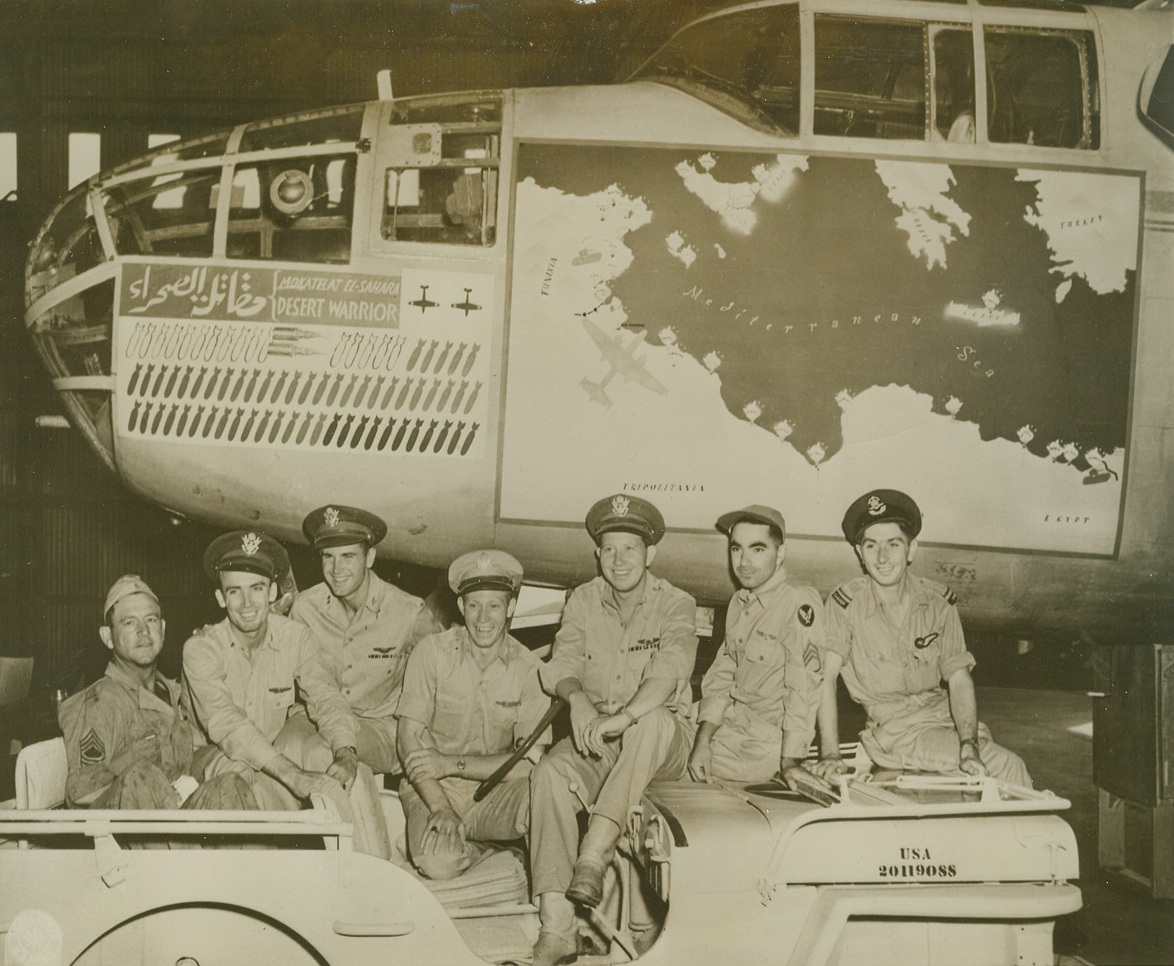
x=340, y=526
x=485, y=570
x=246, y=550
x=629, y=514
x=881, y=506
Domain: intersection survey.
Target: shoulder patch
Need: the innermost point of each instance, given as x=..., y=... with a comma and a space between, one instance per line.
x=841, y=598
x=806, y=615
x=93, y=748
x=951, y=597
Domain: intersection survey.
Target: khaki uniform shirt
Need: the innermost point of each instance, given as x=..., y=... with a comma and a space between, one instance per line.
x=366, y=656
x=893, y=671
x=770, y=662
x=610, y=659
x=468, y=711
x=241, y=699
x=102, y=721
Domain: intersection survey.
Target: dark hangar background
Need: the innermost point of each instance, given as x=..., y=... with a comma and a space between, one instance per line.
x=125, y=69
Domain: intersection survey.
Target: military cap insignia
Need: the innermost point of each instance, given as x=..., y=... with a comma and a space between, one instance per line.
x=483, y=561
x=619, y=506
x=841, y=598
x=876, y=506
x=806, y=615
x=250, y=543
x=330, y=517
x=93, y=748
x=811, y=657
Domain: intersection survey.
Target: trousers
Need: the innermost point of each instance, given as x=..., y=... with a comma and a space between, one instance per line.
x=655, y=748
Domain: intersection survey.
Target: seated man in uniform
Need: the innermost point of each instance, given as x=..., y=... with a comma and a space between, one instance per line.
x=241, y=677
x=896, y=637
x=365, y=628
x=128, y=742
x=622, y=660
x=471, y=694
x=760, y=694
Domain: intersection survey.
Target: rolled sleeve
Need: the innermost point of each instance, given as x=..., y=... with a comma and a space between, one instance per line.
x=417, y=701
x=225, y=724
x=568, y=653
x=954, y=655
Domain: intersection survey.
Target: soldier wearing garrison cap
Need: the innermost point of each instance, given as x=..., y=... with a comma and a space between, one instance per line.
x=622, y=660
x=365, y=629
x=471, y=693
x=760, y=695
x=895, y=637
x=242, y=677
x=128, y=739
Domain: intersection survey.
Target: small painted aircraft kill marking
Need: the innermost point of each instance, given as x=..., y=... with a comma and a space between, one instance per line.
x=423, y=303
x=467, y=305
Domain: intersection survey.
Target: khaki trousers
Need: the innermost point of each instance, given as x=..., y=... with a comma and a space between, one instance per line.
x=655, y=748
x=501, y=816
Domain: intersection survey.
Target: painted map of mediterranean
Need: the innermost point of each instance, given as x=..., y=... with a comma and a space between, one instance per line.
x=710, y=329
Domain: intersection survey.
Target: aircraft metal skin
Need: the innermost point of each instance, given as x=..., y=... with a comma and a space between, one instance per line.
x=476, y=313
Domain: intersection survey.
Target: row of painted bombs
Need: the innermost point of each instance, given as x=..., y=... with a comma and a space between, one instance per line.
x=308, y=388
x=229, y=424
x=354, y=350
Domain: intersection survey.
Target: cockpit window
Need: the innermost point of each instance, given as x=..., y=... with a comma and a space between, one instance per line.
x=441, y=182
x=745, y=63
x=952, y=78
x=293, y=209
x=170, y=214
x=342, y=124
x=1042, y=87
x=209, y=146
x=870, y=78
x=67, y=246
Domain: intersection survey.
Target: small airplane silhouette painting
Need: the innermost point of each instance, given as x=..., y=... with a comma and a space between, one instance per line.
x=619, y=360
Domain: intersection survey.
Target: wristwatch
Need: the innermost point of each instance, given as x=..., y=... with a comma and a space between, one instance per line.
x=351, y=748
